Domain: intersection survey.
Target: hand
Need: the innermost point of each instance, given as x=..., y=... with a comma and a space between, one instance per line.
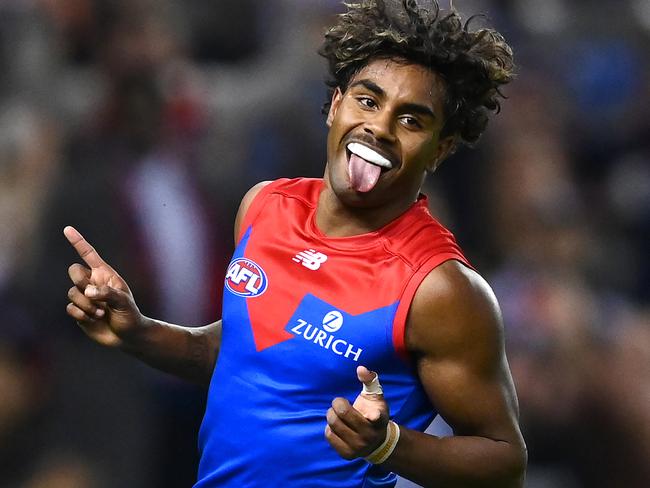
x=100, y=300
x=357, y=430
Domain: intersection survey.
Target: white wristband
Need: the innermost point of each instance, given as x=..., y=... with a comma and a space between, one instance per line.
x=387, y=447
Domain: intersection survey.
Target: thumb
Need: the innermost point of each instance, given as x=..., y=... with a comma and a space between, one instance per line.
x=370, y=380
x=370, y=401
x=116, y=299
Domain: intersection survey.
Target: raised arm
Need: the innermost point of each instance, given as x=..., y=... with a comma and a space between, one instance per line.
x=103, y=306
x=455, y=333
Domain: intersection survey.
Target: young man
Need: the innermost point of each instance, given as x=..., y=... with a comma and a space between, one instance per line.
x=333, y=280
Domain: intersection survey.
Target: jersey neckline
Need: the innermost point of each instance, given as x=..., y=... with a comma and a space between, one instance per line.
x=366, y=240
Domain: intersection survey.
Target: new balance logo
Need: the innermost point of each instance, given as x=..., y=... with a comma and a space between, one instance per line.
x=310, y=259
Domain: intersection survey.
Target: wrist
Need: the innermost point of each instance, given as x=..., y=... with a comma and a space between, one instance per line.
x=138, y=336
x=386, y=448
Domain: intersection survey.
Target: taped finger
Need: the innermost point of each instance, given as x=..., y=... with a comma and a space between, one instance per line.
x=373, y=387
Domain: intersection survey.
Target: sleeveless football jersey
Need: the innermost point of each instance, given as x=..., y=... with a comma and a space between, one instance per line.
x=300, y=312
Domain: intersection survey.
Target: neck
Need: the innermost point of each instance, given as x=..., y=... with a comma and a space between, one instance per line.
x=335, y=219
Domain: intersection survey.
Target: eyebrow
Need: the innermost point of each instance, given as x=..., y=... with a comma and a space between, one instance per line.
x=408, y=107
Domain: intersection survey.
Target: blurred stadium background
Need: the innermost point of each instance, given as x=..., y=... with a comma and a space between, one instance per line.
x=144, y=122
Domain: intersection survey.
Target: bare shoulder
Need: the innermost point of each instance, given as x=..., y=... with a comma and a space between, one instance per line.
x=249, y=197
x=245, y=204
x=454, y=312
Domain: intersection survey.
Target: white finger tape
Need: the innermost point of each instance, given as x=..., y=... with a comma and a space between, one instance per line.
x=374, y=387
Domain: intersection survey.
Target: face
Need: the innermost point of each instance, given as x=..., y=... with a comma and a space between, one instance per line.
x=385, y=134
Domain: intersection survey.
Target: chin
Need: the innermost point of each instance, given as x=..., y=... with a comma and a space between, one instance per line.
x=355, y=199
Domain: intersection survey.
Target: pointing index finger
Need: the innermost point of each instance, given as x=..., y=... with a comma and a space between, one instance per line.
x=83, y=248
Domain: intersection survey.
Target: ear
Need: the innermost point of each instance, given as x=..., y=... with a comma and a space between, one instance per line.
x=445, y=147
x=334, y=106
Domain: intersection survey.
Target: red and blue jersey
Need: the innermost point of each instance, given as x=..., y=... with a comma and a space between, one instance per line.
x=300, y=312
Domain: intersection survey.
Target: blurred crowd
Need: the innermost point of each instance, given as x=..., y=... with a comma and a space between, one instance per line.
x=143, y=123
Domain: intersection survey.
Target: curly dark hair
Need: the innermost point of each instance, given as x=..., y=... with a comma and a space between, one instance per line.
x=473, y=64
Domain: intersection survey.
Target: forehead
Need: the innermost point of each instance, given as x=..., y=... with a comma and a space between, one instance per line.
x=404, y=79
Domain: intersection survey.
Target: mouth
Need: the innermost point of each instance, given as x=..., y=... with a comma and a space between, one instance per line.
x=369, y=155
x=365, y=166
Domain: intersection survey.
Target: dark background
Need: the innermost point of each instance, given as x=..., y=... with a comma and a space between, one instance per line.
x=144, y=122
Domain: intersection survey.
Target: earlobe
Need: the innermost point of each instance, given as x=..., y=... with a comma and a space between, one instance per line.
x=334, y=106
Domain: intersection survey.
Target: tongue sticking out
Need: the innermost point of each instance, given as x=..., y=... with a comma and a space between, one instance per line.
x=363, y=175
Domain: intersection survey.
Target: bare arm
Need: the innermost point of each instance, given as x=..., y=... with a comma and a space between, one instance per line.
x=103, y=306
x=187, y=352
x=455, y=332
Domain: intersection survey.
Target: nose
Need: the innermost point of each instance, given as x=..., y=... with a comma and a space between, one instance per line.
x=380, y=125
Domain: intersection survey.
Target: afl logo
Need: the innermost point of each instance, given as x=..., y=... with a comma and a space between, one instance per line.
x=245, y=278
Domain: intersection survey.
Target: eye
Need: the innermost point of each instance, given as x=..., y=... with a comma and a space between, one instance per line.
x=367, y=102
x=410, y=121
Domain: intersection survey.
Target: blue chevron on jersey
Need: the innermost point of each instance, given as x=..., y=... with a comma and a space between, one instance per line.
x=342, y=334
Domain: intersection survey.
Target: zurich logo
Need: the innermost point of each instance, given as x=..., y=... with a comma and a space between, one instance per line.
x=332, y=321
x=245, y=278
x=323, y=335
